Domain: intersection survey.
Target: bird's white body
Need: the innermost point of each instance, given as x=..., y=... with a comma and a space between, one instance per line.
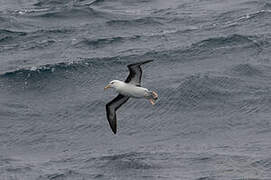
x=130, y=90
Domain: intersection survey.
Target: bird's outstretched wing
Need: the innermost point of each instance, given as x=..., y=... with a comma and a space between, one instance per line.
x=111, y=109
x=135, y=74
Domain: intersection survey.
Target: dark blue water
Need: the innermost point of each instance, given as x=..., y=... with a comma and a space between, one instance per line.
x=212, y=71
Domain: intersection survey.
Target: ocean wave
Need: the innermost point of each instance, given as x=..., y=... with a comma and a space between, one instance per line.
x=212, y=46
x=227, y=44
x=103, y=2
x=253, y=92
x=207, y=48
x=228, y=41
x=251, y=71
x=42, y=3
x=259, y=103
x=206, y=178
x=8, y=35
x=267, y=6
x=256, y=15
x=202, y=87
x=59, y=3
x=244, y=19
x=252, y=178
x=62, y=174
x=28, y=40
x=216, y=91
x=101, y=42
x=131, y=160
x=164, y=12
x=63, y=13
x=200, y=91
x=196, y=49
x=264, y=164
x=246, y=70
x=42, y=71
x=137, y=22
x=97, y=2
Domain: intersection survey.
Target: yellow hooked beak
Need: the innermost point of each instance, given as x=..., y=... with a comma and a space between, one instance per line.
x=106, y=87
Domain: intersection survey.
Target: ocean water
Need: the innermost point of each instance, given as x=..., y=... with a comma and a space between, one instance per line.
x=211, y=69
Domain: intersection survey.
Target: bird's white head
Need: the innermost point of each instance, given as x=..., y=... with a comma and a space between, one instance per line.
x=113, y=84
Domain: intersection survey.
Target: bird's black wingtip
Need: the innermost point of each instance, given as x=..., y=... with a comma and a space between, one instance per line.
x=147, y=61
x=113, y=127
x=141, y=62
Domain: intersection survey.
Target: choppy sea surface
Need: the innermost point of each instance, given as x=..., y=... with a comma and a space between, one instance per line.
x=212, y=71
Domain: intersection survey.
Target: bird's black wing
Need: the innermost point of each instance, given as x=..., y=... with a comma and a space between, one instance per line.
x=111, y=109
x=135, y=74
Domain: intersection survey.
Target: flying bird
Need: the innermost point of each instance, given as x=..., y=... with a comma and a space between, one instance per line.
x=131, y=87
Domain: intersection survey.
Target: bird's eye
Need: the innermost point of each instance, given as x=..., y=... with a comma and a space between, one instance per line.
x=112, y=82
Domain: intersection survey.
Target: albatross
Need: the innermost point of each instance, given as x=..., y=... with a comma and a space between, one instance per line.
x=130, y=88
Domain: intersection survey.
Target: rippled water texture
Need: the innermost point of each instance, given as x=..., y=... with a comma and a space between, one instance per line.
x=212, y=71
